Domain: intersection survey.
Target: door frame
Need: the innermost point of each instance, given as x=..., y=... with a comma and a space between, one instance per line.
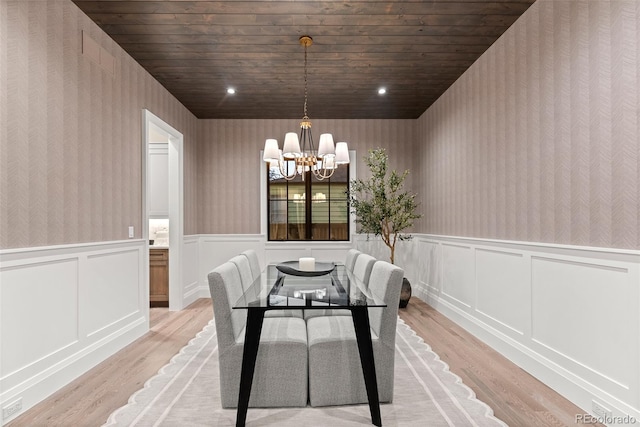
x=176, y=205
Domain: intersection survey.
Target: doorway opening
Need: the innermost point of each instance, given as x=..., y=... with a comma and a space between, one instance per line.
x=163, y=201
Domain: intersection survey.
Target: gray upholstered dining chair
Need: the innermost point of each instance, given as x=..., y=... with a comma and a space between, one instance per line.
x=362, y=267
x=250, y=269
x=244, y=268
x=280, y=377
x=361, y=275
x=335, y=371
x=254, y=262
x=350, y=259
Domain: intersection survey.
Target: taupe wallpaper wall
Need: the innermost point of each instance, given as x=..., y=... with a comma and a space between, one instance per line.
x=70, y=134
x=537, y=141
x=540, y=139
x=229, y=162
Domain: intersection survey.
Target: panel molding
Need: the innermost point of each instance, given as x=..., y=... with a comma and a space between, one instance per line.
x=190, y=270
x=578, y=263
x=456, y=285
x=599, y=326
x=573, y=378
x=512, y=285
x=39, y=378
x=582, y=365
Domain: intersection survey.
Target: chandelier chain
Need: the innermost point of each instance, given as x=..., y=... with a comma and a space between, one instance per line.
x=305, y=80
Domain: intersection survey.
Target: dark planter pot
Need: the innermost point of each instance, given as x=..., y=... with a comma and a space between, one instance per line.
x=405, y=293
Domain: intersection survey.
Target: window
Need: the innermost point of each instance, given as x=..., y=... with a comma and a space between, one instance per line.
x=308, y=209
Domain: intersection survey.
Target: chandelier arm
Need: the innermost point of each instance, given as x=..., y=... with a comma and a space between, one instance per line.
x=332, y=171
x=321, y=174
x=312, y=147
x=286, y=176
x=303, y=138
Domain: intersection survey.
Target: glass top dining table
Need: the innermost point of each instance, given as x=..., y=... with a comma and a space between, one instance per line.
x=274, y=289
x=277, y=290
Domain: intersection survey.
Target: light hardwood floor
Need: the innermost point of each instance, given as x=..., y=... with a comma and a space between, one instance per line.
x=515, y=396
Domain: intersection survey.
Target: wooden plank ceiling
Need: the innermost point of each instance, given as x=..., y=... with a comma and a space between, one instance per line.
x=197, y=49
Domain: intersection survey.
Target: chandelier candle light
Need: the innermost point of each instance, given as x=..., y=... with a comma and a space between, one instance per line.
x=292, y=160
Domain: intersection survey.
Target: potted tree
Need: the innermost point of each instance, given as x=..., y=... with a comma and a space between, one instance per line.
x=383, y=208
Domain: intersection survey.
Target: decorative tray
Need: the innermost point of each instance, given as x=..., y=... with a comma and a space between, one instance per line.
x=293, y=268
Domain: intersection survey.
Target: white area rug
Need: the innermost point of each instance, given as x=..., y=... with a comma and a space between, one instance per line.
x=186, y=392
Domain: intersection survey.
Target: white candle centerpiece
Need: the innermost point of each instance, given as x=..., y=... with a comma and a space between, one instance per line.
x=307, y=264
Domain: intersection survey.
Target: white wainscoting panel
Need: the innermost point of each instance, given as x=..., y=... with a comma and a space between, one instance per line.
x=501, y=280
x=426, y=259
x=115, y=288
x=63, y=310
x=49, y=289
x=602, y=325
x=458, y=270
x=570, y=316
x=190, y=270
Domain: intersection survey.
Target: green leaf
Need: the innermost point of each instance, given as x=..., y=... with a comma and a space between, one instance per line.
x=381, y=199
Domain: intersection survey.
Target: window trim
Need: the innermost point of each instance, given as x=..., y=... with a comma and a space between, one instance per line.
x=263, y=208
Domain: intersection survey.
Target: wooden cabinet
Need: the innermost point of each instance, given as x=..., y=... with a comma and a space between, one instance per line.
x=159, y=277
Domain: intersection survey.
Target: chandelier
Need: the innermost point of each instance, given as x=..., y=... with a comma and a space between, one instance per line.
x=299, y=155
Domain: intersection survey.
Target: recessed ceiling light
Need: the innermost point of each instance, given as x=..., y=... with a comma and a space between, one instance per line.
x=382, y=91
x=231, y=91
